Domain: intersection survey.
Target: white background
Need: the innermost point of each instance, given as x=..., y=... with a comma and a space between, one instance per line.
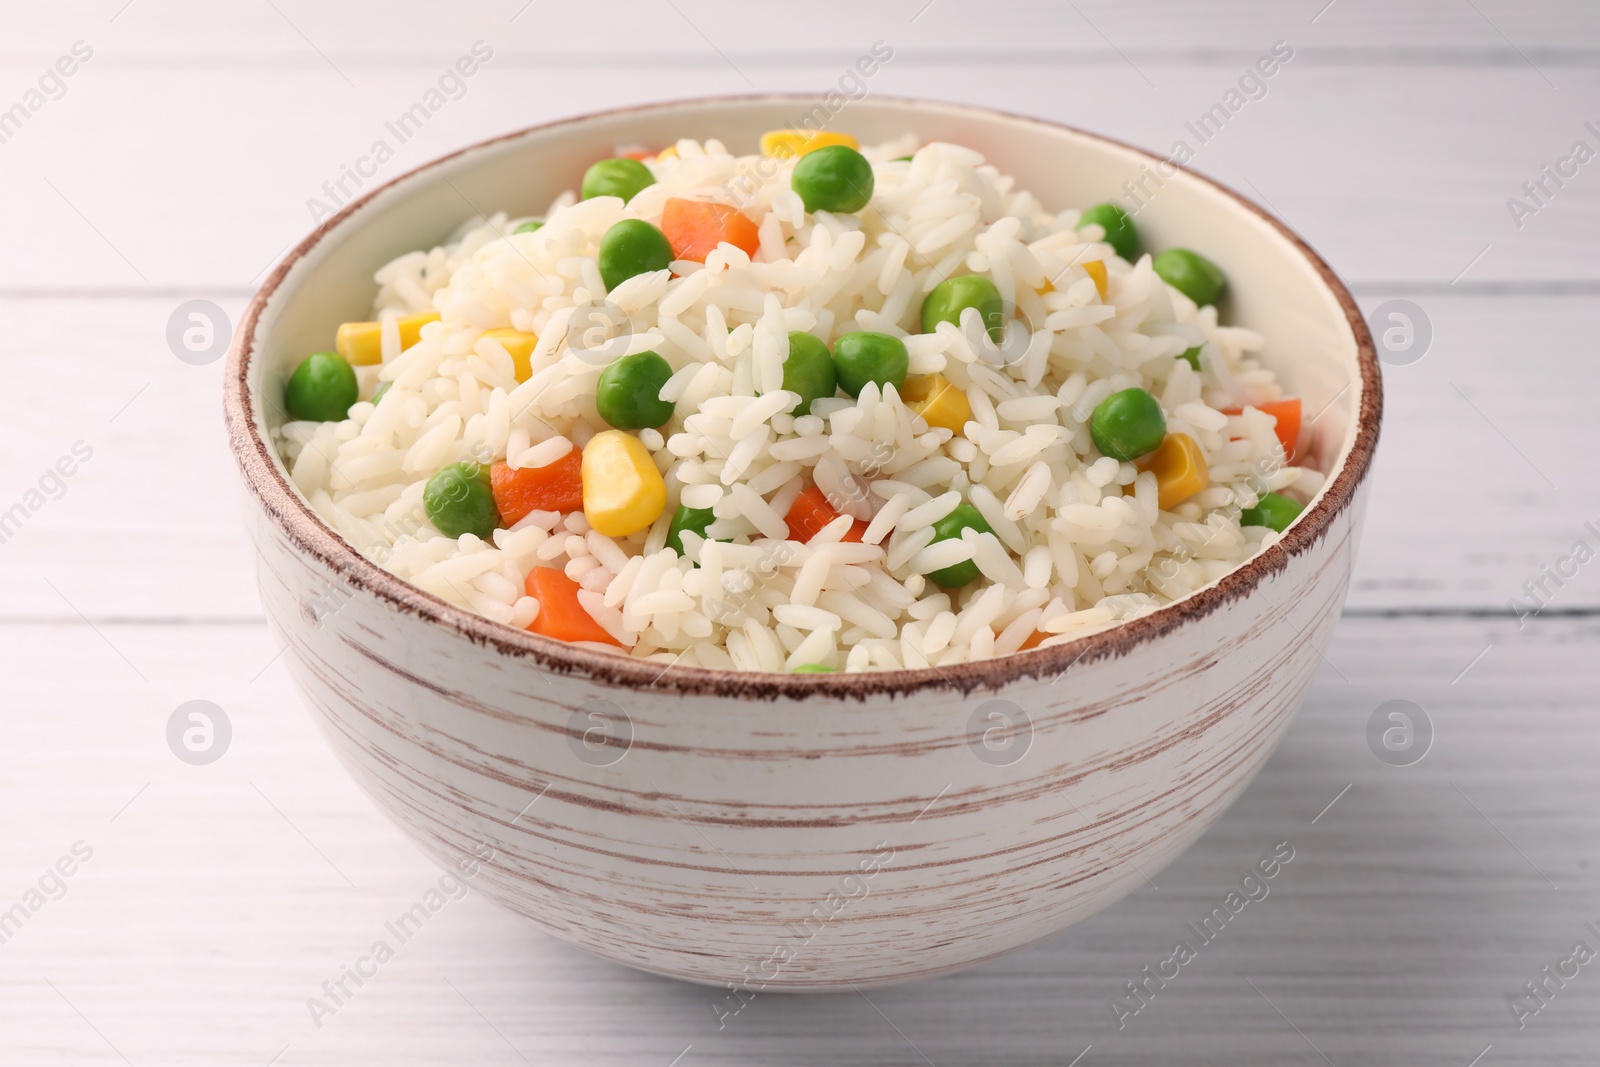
x=178, y=165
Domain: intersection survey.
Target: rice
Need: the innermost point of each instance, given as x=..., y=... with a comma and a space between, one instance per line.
x=1079, y=541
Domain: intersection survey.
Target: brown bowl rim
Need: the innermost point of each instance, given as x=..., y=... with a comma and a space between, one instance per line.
x=308, y=533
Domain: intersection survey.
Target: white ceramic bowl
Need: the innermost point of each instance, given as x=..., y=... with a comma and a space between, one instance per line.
x=804, y=831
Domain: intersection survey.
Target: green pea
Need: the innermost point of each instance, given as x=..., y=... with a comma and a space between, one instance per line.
x=322, y=388
x=836, y=178
x=628, y=395
x=1273, y=511
x=458, y=500
x=1191, y=356
x=631, y=247
x=1192, y=274
x=1128, y=425
x=616, y=177
x=812, y=668
x=954, y=295
x=864, y=357
x=964, y=517
x=1118, y=225
x=377, y=394
x=693, y=520
x=809, y=371
x=528, y=227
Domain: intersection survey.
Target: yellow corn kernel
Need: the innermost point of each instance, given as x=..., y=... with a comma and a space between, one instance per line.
x=1047, y=287
x=519, y=346
x=361, y=343
x=784, y=144
x=1097, y=270
x=669, y=152
x=411, y=328
x=623, y=492
x=1180, y=469
x=937, y=401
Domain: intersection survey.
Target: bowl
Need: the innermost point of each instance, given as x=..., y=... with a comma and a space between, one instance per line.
x=804, y=832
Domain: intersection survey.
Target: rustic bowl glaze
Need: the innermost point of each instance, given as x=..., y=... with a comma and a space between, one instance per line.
x=804, y=831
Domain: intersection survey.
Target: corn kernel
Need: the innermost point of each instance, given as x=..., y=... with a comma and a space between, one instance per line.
x=937, y=401
x=411, y=328
x=519, y=346
x=1180, y=469
x=361, y=343
x=785, y=144
x=1097, y=270
x=669, y=152
x=623, y=492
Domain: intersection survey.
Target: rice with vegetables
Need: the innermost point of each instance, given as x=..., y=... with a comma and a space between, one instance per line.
x=824, y=408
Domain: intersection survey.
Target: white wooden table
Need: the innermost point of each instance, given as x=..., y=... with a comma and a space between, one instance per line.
x=218, y=899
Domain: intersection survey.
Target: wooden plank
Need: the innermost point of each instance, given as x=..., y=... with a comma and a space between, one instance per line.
x=1398, y=174
x=216, y=901
x=1460, y=515
x=199, y=31
x=148, y=525
x=1477, y=484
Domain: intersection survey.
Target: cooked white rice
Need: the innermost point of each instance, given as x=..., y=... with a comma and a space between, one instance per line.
x=1079, y=543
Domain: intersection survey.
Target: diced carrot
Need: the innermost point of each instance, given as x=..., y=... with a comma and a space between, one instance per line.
x=695, y=228
x=1035, y=639
x=561, y=616
x=641, y=154
x=1287, y=412
x=556, y=486
x=811, y=511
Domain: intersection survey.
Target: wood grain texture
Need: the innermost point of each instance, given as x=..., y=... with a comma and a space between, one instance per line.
x=1396, y=181
x=288, y=31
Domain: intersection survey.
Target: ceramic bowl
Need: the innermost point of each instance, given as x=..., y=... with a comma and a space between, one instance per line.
x=787, y=832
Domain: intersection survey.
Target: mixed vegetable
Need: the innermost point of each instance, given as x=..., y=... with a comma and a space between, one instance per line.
x=964, y=517
x=614, y=479
x=694, y=229
x=809, y=371
x=632, y=247
x=322, y=388
x=833, y=178
x=628, y=395
x=561, y=615
x=556, y=486
x=953, y=296
x=616, y=177
x=460, y=500
x=811, y=513
x=863, y=357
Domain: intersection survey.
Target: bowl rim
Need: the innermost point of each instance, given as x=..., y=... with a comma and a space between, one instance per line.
x=303, y=528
